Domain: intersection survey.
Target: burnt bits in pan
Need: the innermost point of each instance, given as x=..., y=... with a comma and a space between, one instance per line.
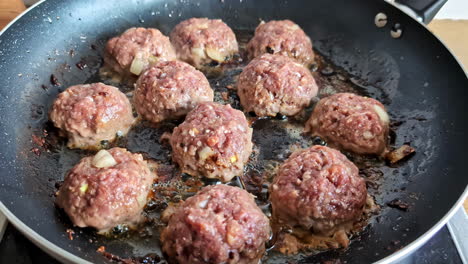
x=275, y=138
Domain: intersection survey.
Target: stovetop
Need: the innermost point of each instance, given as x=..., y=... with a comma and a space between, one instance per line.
x=15, y=248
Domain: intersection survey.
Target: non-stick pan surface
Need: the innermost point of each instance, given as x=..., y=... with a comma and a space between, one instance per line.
x=415, y=76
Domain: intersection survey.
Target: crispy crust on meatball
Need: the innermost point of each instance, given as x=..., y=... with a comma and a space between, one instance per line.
x=141, y=47
x=220, y=224
x=214, y=141
x=281, y=37
x=200, y=41
x=90, y=113
x=319, y=189
x=169, y=90
x=351, y=122
x=104, y=197
x=275, y=84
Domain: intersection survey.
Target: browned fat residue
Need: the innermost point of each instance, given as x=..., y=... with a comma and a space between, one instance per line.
x=293, y=240
x=225, y=96
x=38, y=140
x=398, y=204
x=172, y=187
x=400, y=154
x=36, y=151
x=70, y=233
x=81, y=65
x=149, y=258
x=54, y=81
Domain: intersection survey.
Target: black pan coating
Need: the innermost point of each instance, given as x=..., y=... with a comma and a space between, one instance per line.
x=423, y=87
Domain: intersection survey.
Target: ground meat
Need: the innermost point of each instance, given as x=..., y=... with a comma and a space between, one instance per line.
x=220, y=224
x=214, y=141
x=318, y=189
x=203, y=41
x=98, y=194
x=281, y=37
x=90, y=113
x=272, y=84
x=351, y=122
x=136, y=49
x=170, y=90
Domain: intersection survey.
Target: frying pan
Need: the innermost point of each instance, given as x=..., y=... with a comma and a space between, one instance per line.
x=417, y=78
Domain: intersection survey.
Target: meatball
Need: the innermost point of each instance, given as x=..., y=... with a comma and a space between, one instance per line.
x=220, y=224
x=318, y=189
x=106, y=190
x=203, y=42
x=90, y=113
x=214, y=141
x=351, y=122
x=275, y=84
x=281, y=37
x=170, y=89
x=136, y=49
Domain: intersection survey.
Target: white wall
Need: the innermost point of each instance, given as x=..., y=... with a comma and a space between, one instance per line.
x=454, y=9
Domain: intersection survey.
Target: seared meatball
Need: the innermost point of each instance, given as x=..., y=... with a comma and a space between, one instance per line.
x=319, y=189
x=136, y=49
x=220, y=224
x=90, y=113
x=107, y=189
x=170, y=89
x=281, y=37
x=351, y=122
x=202, y=41
x=275, y=84
x=214, y=141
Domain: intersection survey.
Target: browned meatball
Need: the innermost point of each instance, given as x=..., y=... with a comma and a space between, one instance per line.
x=170, y=90
x=281, y=37
x=319, y=189
x=201, y=41
x=106, y=190
x=90, y=113
x=220, y=224
x=214, y=141
x=351, y=122
x=275, y=84
x=136, y=49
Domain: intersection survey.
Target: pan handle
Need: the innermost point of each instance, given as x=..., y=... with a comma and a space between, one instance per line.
x=422, y=10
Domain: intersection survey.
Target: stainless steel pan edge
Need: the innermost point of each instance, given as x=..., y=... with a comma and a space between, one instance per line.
x=66, y=257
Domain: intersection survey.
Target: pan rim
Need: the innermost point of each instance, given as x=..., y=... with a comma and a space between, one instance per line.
x=64, y=255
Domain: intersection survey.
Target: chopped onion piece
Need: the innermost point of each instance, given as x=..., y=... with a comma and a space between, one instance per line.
x=141, y=200
x=153, y=59
x=214, y=54
x=137, y=66
x=198, y=52
x=382, y=114
x=367, y=135
x=233, y=158
x=103, y=159
x=205, y=153
x=84, y=188
x=203, y=204
x=400, y=153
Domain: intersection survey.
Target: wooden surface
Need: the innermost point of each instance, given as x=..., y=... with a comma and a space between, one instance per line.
x=9, y=9
x=454, y=33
